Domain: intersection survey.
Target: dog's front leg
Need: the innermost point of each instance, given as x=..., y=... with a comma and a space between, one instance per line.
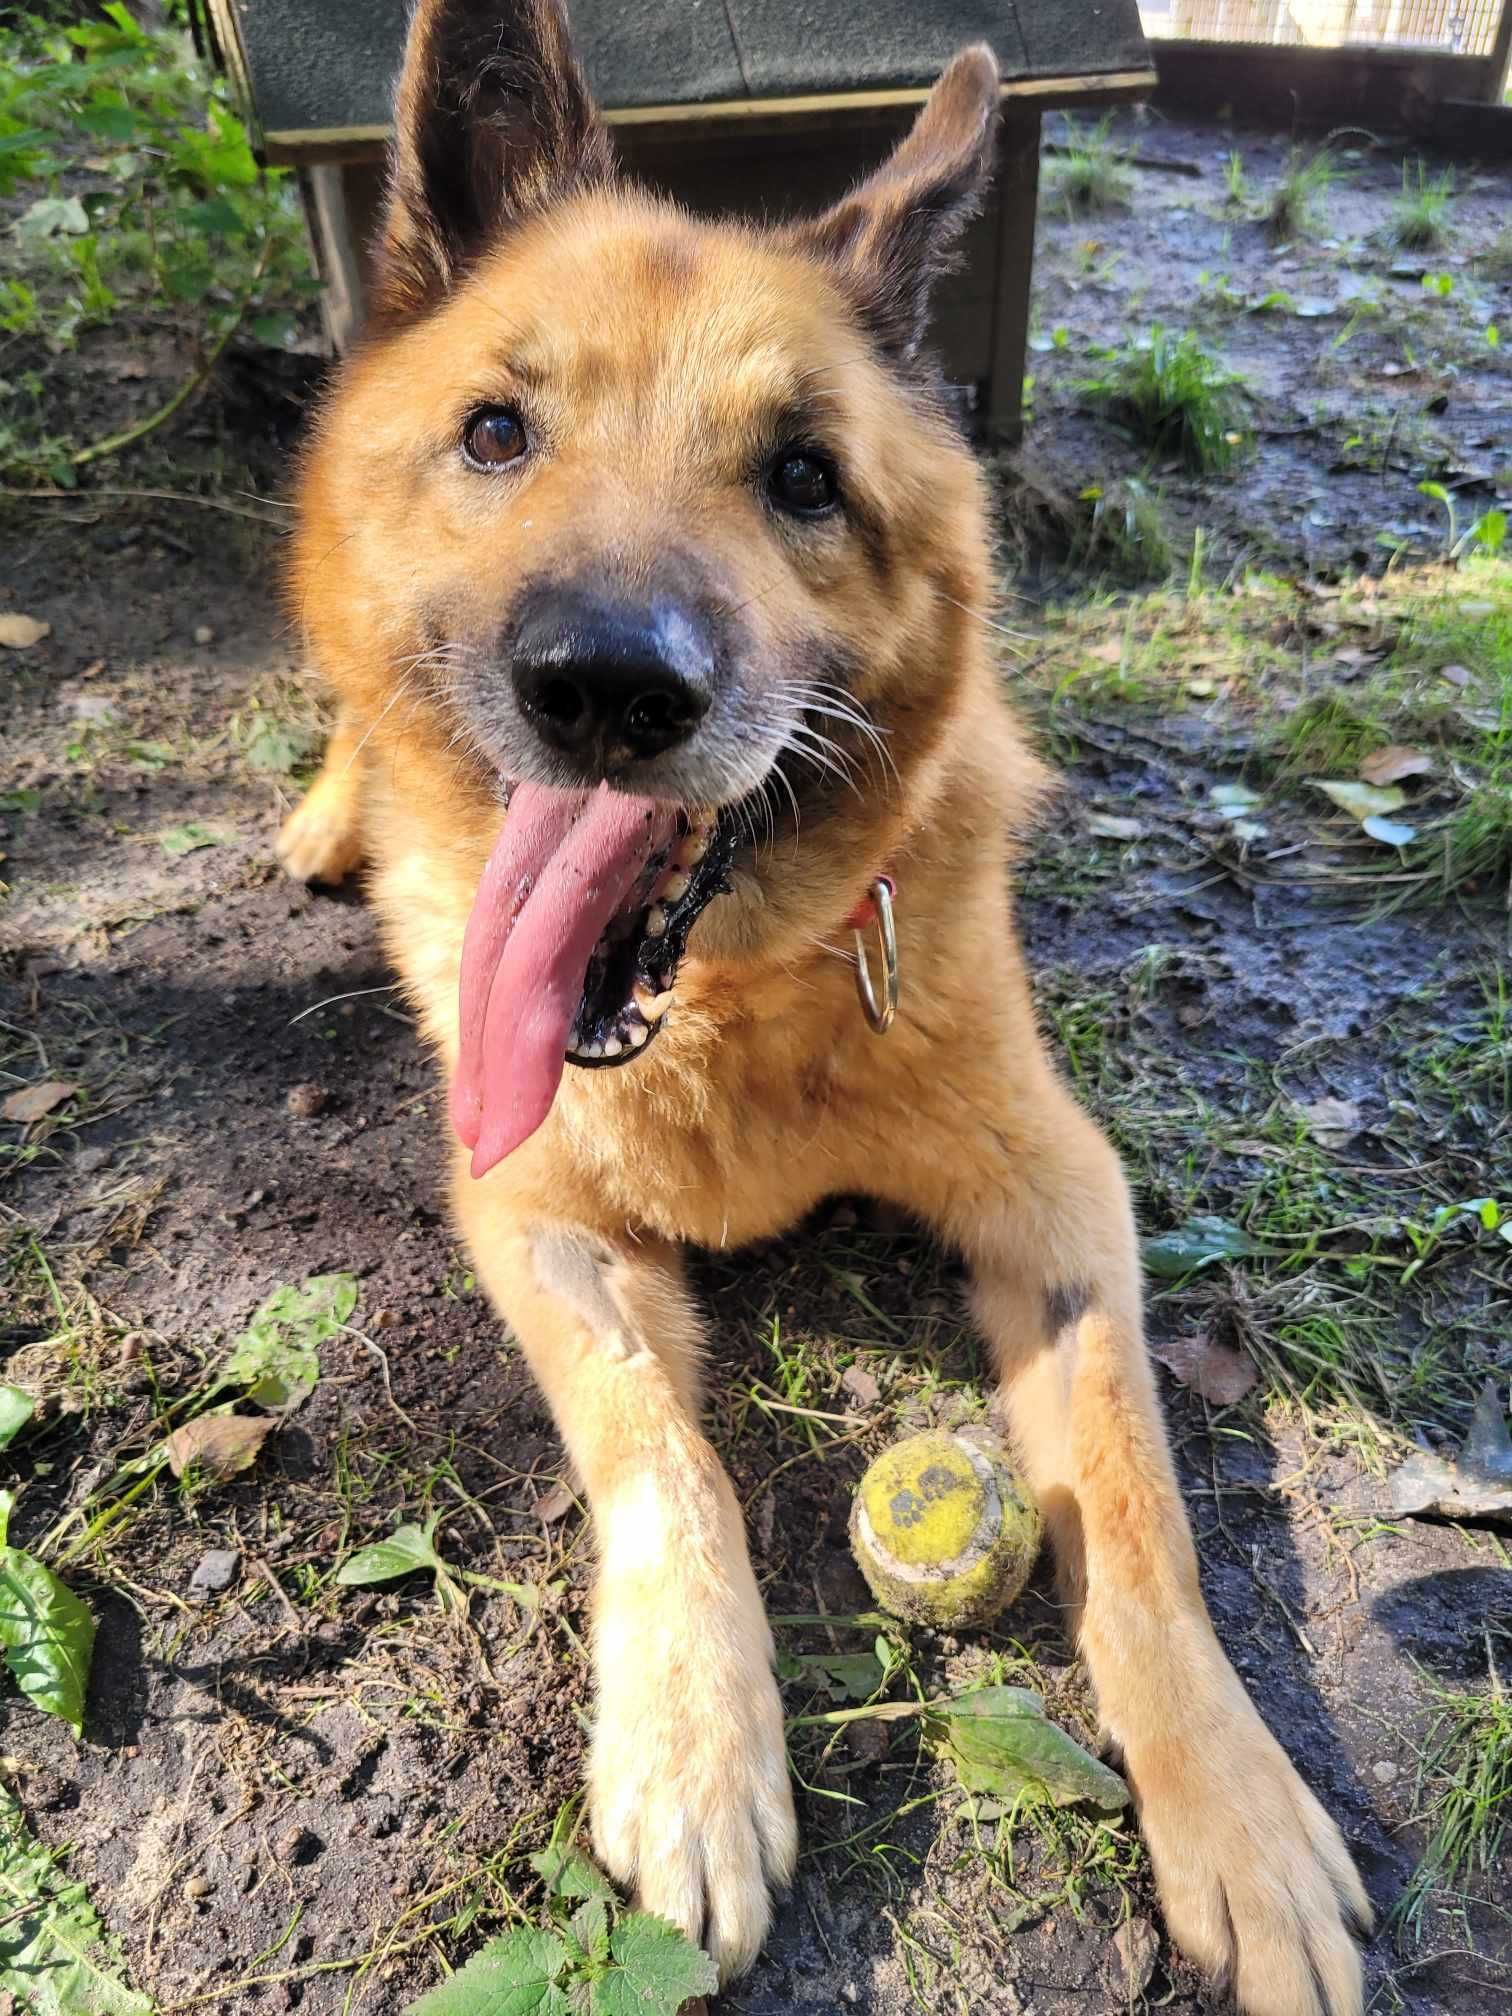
x=321, y=840
x=687, y=1773
x=1254, y=1876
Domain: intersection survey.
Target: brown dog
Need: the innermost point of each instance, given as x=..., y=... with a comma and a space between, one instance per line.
x=653, y=530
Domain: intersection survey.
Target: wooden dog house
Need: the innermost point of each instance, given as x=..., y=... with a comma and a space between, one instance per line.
x=755, y=106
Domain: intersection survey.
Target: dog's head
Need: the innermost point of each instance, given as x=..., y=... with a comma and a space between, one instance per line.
x=658, y=524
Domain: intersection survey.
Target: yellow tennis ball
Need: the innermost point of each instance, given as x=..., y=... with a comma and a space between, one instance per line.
x=943, y=1529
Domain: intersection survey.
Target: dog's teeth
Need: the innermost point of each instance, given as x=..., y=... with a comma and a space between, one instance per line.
x=674, y=888
x=656, y=921
x=612, y=1046
x=594, y=1049
x=652, y=1006
x=636, y=1034
x=692, y=850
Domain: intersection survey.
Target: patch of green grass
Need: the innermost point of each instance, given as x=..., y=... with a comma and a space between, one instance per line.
x=1495, y=260
x=1175, y=397
x=1092, y=174
x=1420, y=216
x=1296, y=207
x=1236, y=189
x=1124, y=535
x=1464, y=1793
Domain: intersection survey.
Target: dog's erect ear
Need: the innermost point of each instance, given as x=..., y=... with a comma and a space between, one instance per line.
x=889, y=239
x=492, y=119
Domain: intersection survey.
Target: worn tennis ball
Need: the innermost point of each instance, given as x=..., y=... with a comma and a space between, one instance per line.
x=943, y=1529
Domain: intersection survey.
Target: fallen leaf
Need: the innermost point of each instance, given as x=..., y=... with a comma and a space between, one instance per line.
x=1331, y=1122
x=1391, y=764
x=35, y=1102
x=1136, y=1946
x=1360, y=801
x=187, y=839
x=218, y=1445
x=21, y=632
x=1108, y=826
x=1232, y=801
x=1477, y=1487
x=1214, y=1371
x=1001, y=1742
x=1197, y=1243
x=1390, y=832
x=861, y=1385
x=556, y=1504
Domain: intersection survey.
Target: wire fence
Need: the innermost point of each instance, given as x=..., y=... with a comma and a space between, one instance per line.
x=1459, y=27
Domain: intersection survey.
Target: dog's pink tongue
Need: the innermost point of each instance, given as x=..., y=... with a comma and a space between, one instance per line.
x=564, y=864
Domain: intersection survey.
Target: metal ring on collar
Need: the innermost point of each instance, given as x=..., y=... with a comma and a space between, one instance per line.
x=880, y=1017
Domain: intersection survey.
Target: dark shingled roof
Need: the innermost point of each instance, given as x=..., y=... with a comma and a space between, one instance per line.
x=330, y=63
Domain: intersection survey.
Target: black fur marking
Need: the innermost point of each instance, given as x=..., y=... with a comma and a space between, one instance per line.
x=1066, y=1303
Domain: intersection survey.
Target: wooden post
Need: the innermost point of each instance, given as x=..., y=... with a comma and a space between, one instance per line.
x=341, y=209
x=1501, y=56
x=1018, y=197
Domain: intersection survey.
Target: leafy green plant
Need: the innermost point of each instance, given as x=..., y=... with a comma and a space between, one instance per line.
x=171, y=220
x=1485, y=534
x=56, y=1958
x=410, y=1548
x=1236, y=192
x=16, y=1409
x=591, y=1958
x=47, y=1633
x=1420, y=215
x=1295, y=207
x=1175, y=397
x=1091, y=173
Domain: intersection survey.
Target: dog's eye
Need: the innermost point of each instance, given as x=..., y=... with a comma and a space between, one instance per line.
x=804, y=482
x=494, y=437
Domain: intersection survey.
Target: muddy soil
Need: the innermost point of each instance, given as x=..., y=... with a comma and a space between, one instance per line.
x=1360, y=381
x=297, y=1796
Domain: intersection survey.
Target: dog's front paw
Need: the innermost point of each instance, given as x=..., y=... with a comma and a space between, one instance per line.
x=1254, y=1877
x=688, y=1772
x=321, y=840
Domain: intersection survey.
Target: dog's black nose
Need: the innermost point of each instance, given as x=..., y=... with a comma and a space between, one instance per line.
x=608, y=681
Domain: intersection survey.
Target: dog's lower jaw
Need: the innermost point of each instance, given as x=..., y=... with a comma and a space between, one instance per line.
x=688, y=1780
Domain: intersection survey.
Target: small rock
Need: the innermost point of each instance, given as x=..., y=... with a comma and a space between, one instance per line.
x=89, y=1160
x=297, y=1845
x=216, y=1571
x=305, y=1101
x=203, y=634
x=1135, y=1947
x=197, y=1886
x=1385, y=1773
x=386, y=1319
x=850, y=1992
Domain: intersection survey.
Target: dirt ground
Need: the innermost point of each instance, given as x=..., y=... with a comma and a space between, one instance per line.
x=294, y=1795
